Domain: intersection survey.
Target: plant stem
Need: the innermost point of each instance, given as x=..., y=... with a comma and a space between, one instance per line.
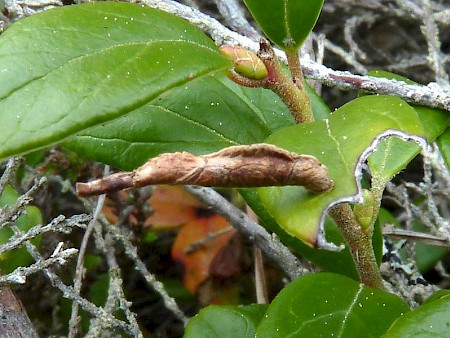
x=293, y=93
x=358, y=239
x=295, y=98
x=297, y=77
x=295, y=68
x=360, y=245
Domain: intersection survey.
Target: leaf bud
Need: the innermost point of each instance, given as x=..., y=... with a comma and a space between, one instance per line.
x=245, y=62
x=364, y=212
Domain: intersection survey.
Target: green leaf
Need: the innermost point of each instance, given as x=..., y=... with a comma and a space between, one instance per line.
x=204, y=116
x=226, y=321
x=74, y=67
x=444, y=145
x=425, y=255
x=98, y=290
x=435, y=121
x=332, y=261
x=364, y=213
x=338, y=143
x=429, y=320
x=393, y=155
x=436, y=296
x=330, y=305
x=286, y=23
x=10, y=260
x=320, y=110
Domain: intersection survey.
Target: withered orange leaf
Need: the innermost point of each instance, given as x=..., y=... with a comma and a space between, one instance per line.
x=111, y=210
x=172, y=206
x=197, y=263
x=227, y=261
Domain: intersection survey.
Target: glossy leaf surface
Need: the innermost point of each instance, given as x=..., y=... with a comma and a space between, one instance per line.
x=330, y=305
x=203, y=116
x=226, y=321
x=286, y=23
x=338, y=143
x=332, y=261
x=71, y=68
x=444, y=145
x=428, y=320
x=425, y=255
x=393, y=154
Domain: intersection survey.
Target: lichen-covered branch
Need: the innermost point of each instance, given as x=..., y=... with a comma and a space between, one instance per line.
x=431, y=95
x=79, y=271
x=232, y=12
x=59, y=224
x=44, y=264
x=19, y=275
x=11, y=167
x=269, y=244
x=131, y=252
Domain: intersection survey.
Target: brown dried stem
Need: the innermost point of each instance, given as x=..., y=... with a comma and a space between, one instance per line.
x=239, y=166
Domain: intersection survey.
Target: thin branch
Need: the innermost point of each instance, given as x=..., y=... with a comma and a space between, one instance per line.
x=60, y=224
x=19, y=275
x=258, y=262
x=341, y=52
x=11, y=213
x=431, y=33
x=417, y=236
x=351, y=27
x=74, y=319
x=116, y=285
x=131, y=252
x=269, y=244
x=116, y=294
x=21, y=9
x=67, y=291
x=260, y=277
x=431, y=95
x=232, y=12
x=11, y=167
x=208, y=238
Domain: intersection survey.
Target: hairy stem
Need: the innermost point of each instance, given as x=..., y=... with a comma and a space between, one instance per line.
x=299, y=81
x=360, y=245
x=294, y=98
x=295, y=68
x=358, y=239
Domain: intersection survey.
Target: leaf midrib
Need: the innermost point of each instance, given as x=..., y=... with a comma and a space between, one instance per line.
x=95, y=52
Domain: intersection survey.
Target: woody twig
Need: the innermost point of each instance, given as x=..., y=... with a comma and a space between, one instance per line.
x=239, y=166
